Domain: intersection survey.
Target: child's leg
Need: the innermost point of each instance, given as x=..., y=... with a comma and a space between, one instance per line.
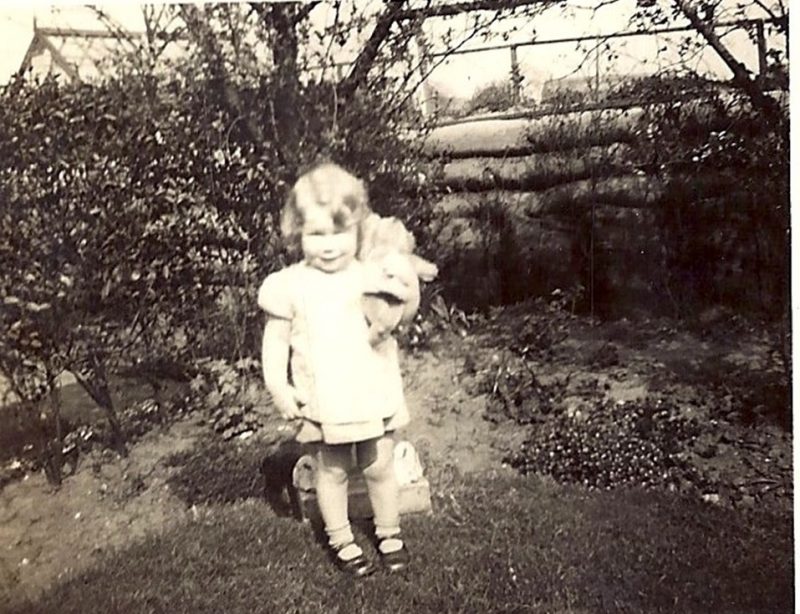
x=333, y=463
x=375, y=457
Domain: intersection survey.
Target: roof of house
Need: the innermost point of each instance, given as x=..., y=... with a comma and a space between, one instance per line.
x=81, y=54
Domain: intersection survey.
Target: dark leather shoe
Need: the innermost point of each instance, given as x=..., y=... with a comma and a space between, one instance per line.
x=358, y=567
x=397, y=560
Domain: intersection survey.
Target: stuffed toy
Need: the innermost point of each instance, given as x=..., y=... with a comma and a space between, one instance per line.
x=393, y=272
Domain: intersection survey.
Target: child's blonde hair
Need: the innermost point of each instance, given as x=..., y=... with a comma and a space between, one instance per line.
x=331, y=187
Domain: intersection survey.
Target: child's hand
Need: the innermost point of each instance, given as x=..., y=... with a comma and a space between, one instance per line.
x=288, y=400
x=378, y=334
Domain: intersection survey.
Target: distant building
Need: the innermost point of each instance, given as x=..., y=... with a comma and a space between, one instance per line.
x=78, y=55
x=576, y=90
x=573, y=87
x=81, y=55
x=533, y=80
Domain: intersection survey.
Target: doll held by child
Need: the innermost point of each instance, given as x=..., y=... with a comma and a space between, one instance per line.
x=392, y=295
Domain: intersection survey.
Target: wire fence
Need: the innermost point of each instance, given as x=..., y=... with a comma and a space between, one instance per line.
x=539, y=70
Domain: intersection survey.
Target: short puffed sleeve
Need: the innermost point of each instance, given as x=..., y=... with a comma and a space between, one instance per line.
x=275, y=294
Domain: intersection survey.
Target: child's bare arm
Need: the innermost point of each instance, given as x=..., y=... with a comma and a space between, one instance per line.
x=274, y=362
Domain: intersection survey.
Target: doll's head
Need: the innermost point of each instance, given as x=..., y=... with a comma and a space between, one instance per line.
x=323, y=214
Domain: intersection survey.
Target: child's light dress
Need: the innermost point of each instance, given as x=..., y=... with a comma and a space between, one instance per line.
x=354, y=391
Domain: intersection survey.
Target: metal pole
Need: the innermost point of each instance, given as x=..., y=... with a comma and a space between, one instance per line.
x=515, y=77
x=597, y=70
x=428, y=93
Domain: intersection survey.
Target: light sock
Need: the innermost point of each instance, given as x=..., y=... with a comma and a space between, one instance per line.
x=388, y=539
x=342, y=541
x=349, y=552
x=390, y=544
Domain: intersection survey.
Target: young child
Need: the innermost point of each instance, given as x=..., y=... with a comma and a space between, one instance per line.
x=321, y=369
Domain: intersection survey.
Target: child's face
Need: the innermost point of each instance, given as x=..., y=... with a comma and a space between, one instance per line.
x=327, y=246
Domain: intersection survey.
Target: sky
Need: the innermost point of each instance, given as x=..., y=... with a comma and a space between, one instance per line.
x=459, y=75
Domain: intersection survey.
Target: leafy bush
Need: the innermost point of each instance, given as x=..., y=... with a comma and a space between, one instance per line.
x=139, y=215
x=496, y=96
x=231, y=395
x=724, y=239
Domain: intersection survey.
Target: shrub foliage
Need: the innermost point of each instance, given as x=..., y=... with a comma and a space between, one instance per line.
x=138, y=215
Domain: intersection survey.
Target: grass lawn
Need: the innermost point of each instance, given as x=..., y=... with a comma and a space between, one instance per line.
x=123, y=536
x=497, y=542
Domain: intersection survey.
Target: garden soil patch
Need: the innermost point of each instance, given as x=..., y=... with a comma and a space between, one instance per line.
x=48, y=534
x=110, y=502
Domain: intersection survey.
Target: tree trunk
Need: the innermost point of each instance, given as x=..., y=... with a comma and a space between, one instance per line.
x=56, y=445
x=205, y=38
x=44, y=442
x=158, y=398
x=281, y=19
x=95, y=383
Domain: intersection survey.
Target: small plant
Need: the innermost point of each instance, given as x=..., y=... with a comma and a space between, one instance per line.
x=642, y=443
x=547, y=325
x=436, y=316
x=230, y=394
x=515, y=392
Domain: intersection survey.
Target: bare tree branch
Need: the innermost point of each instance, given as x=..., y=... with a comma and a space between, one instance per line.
x=459, y=8
x=120, y=33
x=370, y=49
x=427, y=68
x=307, y=7
x=337, y=9
x=741, y=75
x=781, y=20
x=766, y=9
x=394, y=12
x=155, y=37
